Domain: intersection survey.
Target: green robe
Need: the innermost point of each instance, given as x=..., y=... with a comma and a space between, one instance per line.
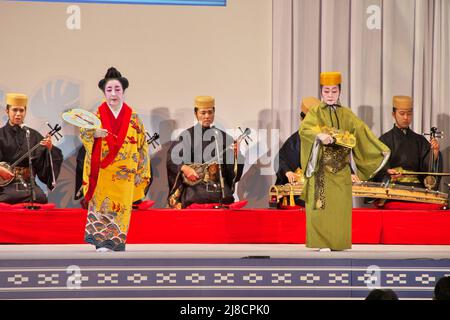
x=328, y=186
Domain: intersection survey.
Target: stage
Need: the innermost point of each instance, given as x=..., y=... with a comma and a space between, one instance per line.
x=221, y=254
x=215, y=271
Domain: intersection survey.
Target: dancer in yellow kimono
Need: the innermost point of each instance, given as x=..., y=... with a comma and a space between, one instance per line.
x=116, y=167
x=331, y=135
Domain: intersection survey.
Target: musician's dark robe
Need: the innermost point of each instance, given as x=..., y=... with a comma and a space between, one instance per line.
x=79, y=173
x=200, y=146
x=13, y=144
x=410, y=151
x=288, y=158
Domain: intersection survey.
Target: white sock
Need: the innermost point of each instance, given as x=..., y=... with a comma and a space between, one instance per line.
x=325, y=250
x=103, y=249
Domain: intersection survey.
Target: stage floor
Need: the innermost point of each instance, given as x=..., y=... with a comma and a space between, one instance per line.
x=218, y=271
x=222, y=251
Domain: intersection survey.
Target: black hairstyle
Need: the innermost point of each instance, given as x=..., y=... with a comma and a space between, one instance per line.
x=442, y=289
x=196, y=109
x=113, y=74
x=9, y=106
x=302, y=115
x=379, y=294
x=339, y=85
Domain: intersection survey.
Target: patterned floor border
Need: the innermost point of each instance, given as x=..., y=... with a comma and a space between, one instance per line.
x=219, y=278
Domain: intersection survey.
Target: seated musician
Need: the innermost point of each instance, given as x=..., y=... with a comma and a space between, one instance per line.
x=289, y=155
x=46, y=159
x=193, y=166
x=409, y=151
x=289, y=168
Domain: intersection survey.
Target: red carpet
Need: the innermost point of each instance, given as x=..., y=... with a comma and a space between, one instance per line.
x=370, y=226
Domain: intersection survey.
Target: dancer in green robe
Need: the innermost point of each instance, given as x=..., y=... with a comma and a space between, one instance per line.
x=326, y=163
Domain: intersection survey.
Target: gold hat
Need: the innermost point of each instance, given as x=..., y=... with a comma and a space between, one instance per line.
x=330, y=78
x=402, y=102
x=204, y=102
x=308, y=103
x=16, y=99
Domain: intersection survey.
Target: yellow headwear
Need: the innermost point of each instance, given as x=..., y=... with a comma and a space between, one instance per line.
x=402, y=102
x=204, y=102
x=330, y=78
x=308, y=103
x=16, y=99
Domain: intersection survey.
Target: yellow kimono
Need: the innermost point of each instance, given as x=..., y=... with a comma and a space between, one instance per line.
x=116, y=173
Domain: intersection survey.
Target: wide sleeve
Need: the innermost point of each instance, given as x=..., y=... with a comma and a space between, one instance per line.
x=370, y=154
x=382, y=174
x=234, y=166
x=79, y=173
x=87, y=138
x=51, y=167
x=425, y=152
x=47, y=164
x=310, y=145
x=425, y=165
x=143, y=173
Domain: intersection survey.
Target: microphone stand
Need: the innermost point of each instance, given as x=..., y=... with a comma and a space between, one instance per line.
x=222, y=184
x=32, y=182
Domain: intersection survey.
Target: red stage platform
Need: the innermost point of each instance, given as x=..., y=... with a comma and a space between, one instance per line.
x=370, y=226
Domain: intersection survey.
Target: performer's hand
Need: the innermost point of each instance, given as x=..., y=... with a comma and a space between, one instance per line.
x=325, y=138
x=190, y=173
x=435, y=147
x=355, y=178
x=6, y=174
x=394, y=173
x=292, y=177
x=100, y=133
x=47, y=142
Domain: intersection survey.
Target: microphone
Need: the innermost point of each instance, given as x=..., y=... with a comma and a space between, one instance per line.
x=214, y=129
x=219, y=160
x=216, y=137
x=30, y=166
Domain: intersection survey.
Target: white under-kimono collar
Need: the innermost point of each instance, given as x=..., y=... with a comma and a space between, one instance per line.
x=115, y=112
